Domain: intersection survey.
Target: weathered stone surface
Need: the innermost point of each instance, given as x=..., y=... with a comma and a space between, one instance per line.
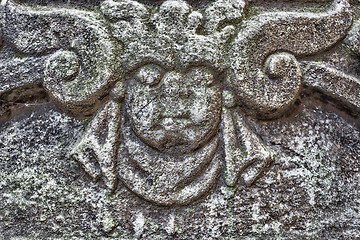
x=80, y=36
x=180, y=120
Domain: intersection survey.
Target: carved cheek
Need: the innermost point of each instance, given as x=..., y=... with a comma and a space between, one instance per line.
x=206, y=106
x=142, y=106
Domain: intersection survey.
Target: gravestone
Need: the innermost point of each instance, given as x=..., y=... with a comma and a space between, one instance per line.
x=225, y=119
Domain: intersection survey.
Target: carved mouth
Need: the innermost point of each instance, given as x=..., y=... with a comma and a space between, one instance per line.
x=175, y=123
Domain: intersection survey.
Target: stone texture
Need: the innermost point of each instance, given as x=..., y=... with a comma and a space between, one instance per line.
x=180, y=120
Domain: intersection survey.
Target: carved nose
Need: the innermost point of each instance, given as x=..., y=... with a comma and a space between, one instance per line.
x=173, y=97
x=172, y=85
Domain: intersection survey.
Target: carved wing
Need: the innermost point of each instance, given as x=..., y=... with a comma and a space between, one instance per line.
x=342, y=87
x=264, y=71
x=69, y=50
x=266, y=77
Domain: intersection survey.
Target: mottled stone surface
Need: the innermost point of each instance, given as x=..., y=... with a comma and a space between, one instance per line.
x=180, y=120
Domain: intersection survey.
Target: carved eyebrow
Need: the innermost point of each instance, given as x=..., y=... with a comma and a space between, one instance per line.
x=148, y=61
x=191, y=65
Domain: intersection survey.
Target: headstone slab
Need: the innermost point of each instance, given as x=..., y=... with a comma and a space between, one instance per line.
x=177, y=119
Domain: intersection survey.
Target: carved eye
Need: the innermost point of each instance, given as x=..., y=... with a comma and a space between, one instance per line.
x=202, y=75
x=149, y=74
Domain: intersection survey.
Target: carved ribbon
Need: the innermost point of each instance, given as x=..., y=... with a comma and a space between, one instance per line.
x=243, y=149
x=98, y=145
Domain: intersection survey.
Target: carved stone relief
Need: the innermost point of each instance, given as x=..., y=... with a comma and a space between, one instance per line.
x=171, y=101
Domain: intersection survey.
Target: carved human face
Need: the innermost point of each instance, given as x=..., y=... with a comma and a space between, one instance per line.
x=174, y=111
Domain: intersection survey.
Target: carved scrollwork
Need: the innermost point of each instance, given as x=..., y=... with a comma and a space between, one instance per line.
x=269, y=95
x=82, y=60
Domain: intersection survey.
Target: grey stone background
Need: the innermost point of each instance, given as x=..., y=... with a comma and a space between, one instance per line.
x=311, y=191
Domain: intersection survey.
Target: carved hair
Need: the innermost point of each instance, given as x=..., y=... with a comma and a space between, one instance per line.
x=170, y=34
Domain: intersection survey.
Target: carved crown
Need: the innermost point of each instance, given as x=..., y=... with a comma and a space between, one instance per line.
x=172, y=34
